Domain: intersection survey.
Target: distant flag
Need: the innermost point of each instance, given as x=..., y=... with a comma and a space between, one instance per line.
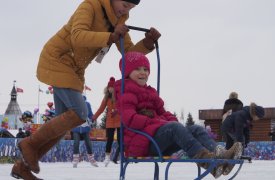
x=19, y=90
x=87, y=88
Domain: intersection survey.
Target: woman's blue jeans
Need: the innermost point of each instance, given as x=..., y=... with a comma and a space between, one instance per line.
x=86, y=139
x=65, y=99
x=173, y=136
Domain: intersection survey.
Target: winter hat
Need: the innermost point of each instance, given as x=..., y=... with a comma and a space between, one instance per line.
x=233, y=95
x=260, y=111
x=50, y=104
x=136, y=2
x=134, y=60
x=111, y=82
x=256, y=110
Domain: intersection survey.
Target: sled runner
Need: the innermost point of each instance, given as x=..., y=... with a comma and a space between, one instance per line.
x=213, y=163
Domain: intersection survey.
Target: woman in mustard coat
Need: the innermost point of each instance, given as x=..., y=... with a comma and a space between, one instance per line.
x=112, y=120
x=94, y=26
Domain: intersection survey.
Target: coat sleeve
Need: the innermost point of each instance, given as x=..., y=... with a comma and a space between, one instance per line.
x=129, y=46
x=82, y=32
x=130, y=117
x=167, y=115
x=101, y=108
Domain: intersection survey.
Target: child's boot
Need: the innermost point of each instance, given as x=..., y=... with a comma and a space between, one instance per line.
x=107, y=159
x=234, y=152
x=216, y=172
x=237, y=150
x=75, y=160
x=205, y=154
x=219, y=151
x=92, y=160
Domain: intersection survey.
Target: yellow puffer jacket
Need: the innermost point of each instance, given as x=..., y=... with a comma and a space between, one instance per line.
x=67, y=54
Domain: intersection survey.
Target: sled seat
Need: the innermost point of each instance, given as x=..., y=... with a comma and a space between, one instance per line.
x=125, y=161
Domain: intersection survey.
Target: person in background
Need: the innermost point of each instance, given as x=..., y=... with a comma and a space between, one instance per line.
x=112, y=120
x=83, y=132
x=235, y=127
x=232, y=104
x=211, y=134
x=94, y=27
x=142, y=109
x=20, y=133
x=4, y=133
x=27, y=120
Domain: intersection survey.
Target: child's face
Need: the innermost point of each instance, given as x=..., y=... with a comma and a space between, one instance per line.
x=121, y=7
x=140, y=75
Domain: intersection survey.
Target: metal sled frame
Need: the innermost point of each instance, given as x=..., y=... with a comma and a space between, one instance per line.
x=160, y=158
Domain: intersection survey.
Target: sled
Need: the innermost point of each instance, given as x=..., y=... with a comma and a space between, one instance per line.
x=125, y=161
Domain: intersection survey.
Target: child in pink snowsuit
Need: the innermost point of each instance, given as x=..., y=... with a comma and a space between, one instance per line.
x=142, y=109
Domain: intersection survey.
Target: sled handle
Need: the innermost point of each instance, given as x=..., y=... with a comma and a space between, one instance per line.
x=157, y=49
x=144, y=30
x=138, y=28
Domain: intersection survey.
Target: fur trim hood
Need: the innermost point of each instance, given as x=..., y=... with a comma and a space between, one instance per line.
x=255, y=110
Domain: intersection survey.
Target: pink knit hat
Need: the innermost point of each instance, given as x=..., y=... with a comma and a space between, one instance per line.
x=133, y=60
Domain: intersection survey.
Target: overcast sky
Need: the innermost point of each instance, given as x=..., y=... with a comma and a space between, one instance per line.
x=208, y=49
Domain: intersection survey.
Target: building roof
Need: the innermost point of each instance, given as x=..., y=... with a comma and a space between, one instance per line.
x=13, y=107
x=216, y=114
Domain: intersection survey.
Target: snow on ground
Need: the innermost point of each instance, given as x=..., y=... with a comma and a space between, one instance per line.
x=257, y=170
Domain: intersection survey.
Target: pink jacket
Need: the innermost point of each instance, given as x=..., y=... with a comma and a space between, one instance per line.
x=134, y=99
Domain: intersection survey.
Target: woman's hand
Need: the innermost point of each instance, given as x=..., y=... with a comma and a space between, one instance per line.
x=120, y=31
x=150, y=38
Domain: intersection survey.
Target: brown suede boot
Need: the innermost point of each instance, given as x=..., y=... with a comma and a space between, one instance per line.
x=46, y=133
x=237, y=149
x=234, y=152
x=205, y=154
x=20, y=170
x=216, y=172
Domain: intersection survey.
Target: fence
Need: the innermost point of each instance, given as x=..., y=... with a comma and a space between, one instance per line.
x=63, y=151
